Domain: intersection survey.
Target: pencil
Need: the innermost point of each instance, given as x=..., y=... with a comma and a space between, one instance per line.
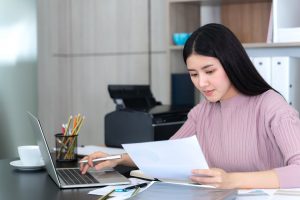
x=137, y=189
x=76, y=127
x=80, y=124
x=106, y=195
x=68, y=125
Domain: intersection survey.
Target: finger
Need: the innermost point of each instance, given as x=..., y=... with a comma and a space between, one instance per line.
x=82, y=164
x=204, y=172
x=105, y=164
x=206, y=180
x=85, y=168
x=95, y=155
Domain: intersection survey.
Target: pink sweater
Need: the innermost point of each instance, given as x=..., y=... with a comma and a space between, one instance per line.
x=246, y=134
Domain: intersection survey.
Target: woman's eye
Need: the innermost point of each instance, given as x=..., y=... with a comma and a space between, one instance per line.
x=210, y=71
x=193, y=75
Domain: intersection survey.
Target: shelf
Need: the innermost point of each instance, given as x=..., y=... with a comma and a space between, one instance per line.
x=242, y=17
x=176, y=47
x=217, y=1
x=185, y=1
x=272, y=45
x=253, y=45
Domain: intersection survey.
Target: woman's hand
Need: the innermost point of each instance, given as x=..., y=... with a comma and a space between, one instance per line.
x=215, y=177
x=98, y=165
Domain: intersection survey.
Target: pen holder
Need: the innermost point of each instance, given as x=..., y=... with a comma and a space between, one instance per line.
x=66, y=147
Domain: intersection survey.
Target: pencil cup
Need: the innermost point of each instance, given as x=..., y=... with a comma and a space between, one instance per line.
x=66, y=147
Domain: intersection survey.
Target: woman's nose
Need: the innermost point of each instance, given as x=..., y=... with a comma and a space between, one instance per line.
x=202, y=81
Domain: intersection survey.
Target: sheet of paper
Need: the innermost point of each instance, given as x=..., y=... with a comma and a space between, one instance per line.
x=170, y=159
x=119, y=195
x=287, y=194
x=255, y=194
x=88, y=149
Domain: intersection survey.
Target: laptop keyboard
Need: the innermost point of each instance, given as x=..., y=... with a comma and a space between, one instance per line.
x=74, y=177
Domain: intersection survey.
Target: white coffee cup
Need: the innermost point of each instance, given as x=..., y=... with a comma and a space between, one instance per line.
x=30, y=155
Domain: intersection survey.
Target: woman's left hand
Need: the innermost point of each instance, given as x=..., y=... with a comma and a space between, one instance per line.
x=215, y=177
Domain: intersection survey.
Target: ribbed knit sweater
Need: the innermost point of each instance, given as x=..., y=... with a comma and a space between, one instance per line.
x=247, y=134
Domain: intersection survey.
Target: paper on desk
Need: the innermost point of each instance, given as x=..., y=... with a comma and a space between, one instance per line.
x=287, y=194
x=120, y=195
x=255, y=194
x=88, y=149
x=170, y=159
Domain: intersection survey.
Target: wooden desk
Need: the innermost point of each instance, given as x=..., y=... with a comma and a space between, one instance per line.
x=35, y=185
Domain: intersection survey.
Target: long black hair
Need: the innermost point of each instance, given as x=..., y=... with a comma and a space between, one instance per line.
x=216, y=40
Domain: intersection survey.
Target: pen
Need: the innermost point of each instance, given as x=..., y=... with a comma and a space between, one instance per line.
x=131, y=187
x=103, y=159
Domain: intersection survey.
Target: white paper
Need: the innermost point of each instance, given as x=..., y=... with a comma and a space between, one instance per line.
x=120, y=195
x=287, y=194
x=170, y=159
x=255, y=194
x=87, y=150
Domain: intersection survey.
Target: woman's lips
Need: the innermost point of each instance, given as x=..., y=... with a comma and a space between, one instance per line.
x=208, y=92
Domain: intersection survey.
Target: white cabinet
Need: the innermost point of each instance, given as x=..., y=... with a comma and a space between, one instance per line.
x=286, y=20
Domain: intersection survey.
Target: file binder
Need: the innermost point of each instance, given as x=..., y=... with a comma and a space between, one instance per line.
x=161, y=190
x=285, y=71
x=263, y=66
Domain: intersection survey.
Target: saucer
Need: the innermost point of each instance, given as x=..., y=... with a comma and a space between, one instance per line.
x=20, y=166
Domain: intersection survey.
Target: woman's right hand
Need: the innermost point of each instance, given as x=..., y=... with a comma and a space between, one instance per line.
x=98, y=165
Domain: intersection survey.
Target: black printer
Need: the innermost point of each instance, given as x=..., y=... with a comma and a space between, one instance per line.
x=139, y=117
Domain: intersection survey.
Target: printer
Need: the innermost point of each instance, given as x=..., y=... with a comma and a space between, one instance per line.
x=139, y=117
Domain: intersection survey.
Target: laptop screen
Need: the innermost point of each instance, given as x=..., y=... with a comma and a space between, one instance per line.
x=42, y=143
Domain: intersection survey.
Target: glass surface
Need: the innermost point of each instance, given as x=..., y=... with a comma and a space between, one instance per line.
x=18, y=73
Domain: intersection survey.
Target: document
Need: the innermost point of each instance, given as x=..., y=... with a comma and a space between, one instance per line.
x=87, y=150
x=287, y=194
x=170, y=159
x=119, y=195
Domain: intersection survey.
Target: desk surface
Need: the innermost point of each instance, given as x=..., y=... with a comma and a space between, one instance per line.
x=22, y=185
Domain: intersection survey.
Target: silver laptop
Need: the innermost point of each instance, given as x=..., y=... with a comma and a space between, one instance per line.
x=71, y=177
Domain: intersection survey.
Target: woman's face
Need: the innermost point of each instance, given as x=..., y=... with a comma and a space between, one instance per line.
x=209, y=78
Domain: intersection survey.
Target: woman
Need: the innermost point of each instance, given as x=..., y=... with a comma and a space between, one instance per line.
x=248, y=133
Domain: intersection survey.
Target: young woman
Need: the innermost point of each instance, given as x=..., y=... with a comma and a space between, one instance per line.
x=248, y=133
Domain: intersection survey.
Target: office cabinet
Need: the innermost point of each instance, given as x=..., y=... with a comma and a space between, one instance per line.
x=286, y=20
x=250, y=20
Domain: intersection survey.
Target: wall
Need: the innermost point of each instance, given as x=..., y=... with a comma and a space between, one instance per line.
x=18, y=82
x=84, y=46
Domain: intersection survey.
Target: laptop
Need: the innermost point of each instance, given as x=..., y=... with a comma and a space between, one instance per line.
x=71, y=177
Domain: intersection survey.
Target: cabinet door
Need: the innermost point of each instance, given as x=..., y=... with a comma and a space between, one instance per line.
x=88, y=45
x=54, y=77
x=160, y=72
x=55, y=28
x=109, y=26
